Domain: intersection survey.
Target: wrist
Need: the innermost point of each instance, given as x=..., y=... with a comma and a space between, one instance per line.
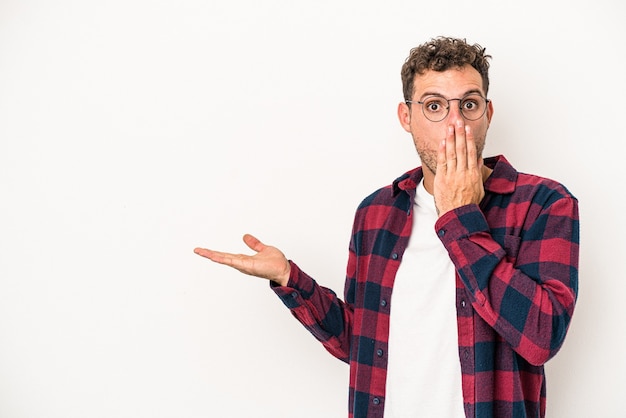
x=283, y=279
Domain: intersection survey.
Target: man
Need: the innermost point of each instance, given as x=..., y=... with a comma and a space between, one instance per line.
x=462, y=275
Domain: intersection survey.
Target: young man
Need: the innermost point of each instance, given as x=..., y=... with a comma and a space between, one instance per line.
x=462, y=274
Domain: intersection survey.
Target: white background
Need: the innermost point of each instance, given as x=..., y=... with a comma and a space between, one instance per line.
x=132, y=131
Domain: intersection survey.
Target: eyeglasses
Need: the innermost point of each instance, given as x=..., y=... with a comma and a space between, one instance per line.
x=436, y=108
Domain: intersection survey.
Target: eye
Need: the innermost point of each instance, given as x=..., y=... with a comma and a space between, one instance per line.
x=435, y=105
x=470, y=104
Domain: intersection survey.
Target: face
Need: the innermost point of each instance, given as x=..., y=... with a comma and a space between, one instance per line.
x=427, y=135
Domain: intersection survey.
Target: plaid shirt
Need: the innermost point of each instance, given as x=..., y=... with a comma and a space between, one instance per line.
x=516, y=260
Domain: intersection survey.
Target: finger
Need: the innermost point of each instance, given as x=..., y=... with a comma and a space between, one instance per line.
x=202, y=252
x=441, y=157
x=253, y=243
x=472, y=157
x=460, y=145
x=216, y=256
x=451, y=141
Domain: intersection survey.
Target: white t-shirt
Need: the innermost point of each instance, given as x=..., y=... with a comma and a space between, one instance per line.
x=424, y=370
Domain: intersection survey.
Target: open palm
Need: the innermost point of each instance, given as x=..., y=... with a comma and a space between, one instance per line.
x=268, y=262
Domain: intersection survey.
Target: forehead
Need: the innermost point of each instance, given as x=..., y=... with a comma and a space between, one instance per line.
x=451, y=83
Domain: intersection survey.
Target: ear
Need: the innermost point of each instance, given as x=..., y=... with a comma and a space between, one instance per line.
x=404, y=115
x=489, y=111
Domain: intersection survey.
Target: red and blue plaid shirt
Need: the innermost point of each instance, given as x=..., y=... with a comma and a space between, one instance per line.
x=516, y=260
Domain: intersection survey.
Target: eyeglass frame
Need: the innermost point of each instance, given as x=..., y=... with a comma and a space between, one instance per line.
x=487, y=101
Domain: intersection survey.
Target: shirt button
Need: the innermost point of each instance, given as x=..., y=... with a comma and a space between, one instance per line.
x=383, y=303
x=375, y=401
x=394, y=256
x=379, y=352
x=294, y=295
x=441, y=233
x=462, y=304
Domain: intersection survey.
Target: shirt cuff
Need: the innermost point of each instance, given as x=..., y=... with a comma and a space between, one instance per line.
x=460, y=223
x=299, y=287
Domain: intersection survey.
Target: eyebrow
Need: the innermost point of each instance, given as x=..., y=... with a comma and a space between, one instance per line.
x=467, y=93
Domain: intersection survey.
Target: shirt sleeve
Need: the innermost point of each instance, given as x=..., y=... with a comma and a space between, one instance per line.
x=523, y=279
x=319, y=309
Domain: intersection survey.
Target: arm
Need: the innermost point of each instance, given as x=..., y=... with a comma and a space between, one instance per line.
x=319, y=309
x=525, y=284
x=527, y=291
x=316, y=307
